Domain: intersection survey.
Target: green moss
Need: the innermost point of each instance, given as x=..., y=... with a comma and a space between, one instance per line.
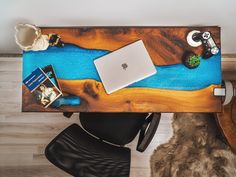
x=194, y=60
x=191, y=60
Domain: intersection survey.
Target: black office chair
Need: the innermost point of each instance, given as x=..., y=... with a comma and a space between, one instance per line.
x=83, y=155
x=121, y=128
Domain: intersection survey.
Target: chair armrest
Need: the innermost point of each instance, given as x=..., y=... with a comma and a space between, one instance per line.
x=147, y=131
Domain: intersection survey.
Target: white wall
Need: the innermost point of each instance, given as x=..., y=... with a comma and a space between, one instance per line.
x=117, y=12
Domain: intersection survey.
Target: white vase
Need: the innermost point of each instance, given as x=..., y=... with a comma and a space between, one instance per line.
x=29, y=37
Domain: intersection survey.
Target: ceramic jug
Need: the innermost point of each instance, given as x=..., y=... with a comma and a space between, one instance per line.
x=29, y=37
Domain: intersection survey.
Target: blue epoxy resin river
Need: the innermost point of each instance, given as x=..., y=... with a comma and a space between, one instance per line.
x=75, y=63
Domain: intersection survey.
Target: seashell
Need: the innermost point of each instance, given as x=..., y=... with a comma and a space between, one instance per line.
x=29, y=37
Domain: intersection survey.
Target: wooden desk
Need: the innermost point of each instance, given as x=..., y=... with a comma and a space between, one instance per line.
x=166, y=46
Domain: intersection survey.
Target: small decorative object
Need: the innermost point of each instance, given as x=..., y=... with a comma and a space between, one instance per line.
x=55, y=40
x=191, y=60
x=29, y=37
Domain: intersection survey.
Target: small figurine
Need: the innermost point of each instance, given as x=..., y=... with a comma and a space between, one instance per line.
x=191, y=60
x=55, y=40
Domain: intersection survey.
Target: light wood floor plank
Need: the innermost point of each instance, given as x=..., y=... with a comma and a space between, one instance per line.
x=10, y=85
x=9, y=107
x=32, y=171
x=6, y=76
x=11, y=65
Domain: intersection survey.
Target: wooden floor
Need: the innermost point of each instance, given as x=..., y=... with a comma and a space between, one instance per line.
x=23, y=136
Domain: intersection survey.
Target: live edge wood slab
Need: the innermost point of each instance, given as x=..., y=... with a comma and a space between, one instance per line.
x=165, y=45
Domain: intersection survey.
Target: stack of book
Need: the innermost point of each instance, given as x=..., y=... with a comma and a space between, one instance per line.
x=43, y=85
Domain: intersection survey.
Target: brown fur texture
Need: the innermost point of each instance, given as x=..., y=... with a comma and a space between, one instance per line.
x=195, y=150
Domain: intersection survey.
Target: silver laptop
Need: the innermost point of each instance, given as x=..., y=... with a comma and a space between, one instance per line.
x=125, y=66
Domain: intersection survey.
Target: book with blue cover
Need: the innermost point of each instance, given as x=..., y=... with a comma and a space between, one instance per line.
x=42, y=88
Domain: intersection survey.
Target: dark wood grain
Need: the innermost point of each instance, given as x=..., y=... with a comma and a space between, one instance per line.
x=165, y=45
x=95, y=99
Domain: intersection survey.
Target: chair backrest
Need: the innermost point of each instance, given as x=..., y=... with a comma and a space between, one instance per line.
x=82, y=155
x=116, y=128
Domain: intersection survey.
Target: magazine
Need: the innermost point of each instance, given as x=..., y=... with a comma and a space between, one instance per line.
x=49, y=71
x=42, y=88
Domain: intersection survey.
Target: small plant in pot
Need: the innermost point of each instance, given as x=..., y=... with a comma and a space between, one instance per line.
x=191, y=60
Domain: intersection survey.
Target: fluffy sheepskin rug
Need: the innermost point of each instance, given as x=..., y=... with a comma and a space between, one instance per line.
x=195, y=150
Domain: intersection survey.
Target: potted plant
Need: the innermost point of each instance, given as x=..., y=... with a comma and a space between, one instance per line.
x=191, y=60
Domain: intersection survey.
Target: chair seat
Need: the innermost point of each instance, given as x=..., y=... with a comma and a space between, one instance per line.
x=82, y=155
